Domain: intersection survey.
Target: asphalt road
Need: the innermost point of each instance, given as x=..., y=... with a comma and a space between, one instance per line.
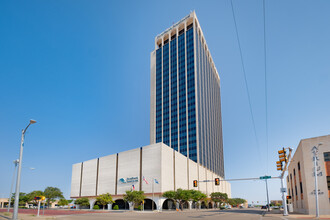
x=233, y=214
x=239, y=214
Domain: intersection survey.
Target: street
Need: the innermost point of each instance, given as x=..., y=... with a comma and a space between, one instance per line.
x=234, y=214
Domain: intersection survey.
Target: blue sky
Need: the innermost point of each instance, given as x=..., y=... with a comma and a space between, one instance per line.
x=82, y=70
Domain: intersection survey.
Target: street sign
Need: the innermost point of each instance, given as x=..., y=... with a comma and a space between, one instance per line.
x=265, y=177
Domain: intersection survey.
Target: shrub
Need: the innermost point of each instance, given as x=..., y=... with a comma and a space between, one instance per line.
x=116, y=207
x=222, y=207
x=139, y=207
x=96, y=207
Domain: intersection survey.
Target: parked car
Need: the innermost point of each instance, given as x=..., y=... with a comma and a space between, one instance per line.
x=263, y=207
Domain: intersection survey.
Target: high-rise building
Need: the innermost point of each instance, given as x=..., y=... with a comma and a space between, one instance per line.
x=185, y=102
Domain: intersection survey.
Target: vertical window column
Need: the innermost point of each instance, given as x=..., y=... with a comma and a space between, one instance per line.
x=182, y=94
x=159, y=98
x=174, y=93
x=166, y=94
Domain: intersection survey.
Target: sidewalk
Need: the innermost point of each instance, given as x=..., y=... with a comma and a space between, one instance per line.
x=279, y=213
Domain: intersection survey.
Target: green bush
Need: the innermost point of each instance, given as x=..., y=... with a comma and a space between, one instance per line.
x=116, y=207
x=96, y=207
x=139, y=207
x=222, y=207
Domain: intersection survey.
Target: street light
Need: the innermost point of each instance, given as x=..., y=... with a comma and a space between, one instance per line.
x=16, y=162
x=18, y=180
x=12, y=183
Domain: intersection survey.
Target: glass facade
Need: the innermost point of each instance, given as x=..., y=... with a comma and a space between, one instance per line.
x=187, y=102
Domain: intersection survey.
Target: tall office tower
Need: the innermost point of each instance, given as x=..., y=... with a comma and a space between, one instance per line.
x=185, y=111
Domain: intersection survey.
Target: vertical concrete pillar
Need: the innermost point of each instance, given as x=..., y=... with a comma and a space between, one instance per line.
x=110, y=206
x=91, y=203
x=190, y=204
x=131, y=206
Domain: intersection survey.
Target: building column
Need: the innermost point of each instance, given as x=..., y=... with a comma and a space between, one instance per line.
x=159, y=203
x=177, y=205
x=190, y=204
x=110, y=206
x=91, y=203
x=131, y=206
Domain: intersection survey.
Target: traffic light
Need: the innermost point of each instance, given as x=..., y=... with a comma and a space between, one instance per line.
x=195, y=183
x=217, y=181
x=282, y=155
x=279, y=165
x=288, y=197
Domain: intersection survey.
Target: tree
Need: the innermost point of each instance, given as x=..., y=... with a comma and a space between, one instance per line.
x=169, y=194
x=134, y=197
x=197, y=195
x=82, y=202
x=104, y=199
x=63, y=202
x=36, y=193
x=22, y=199
x=51, y=193
x=236, y=201
x=219, y=197
x=180, y=196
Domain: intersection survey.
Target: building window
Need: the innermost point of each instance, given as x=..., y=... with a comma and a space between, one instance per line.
x=301, y=189
x=328, y=180
x=298, y=165
x=294, y=172
x=287, y=178
x=326, y=156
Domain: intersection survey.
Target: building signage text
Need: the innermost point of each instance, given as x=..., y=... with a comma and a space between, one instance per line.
x=129, y=180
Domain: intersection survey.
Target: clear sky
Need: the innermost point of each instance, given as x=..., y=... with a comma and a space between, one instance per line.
x=82, y=70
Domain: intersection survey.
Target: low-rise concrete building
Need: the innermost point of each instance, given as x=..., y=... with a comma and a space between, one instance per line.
x=153, y=169
x=300, y=179
x=3, y=202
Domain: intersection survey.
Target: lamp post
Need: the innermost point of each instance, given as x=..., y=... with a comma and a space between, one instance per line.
x=12, y=183
x=18, y=180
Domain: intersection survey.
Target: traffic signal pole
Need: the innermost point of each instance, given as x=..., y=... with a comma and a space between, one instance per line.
x=285, y=208
x=283, y=190
x=267, y=196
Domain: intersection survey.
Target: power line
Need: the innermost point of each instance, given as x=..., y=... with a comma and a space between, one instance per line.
x=266, y=101
x=245, y=80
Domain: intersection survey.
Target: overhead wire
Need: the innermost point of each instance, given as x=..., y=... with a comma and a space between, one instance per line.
x=245, y=79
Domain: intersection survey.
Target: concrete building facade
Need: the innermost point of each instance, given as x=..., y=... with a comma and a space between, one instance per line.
x=162, y=167
x=185, y=105
x=300, y=179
